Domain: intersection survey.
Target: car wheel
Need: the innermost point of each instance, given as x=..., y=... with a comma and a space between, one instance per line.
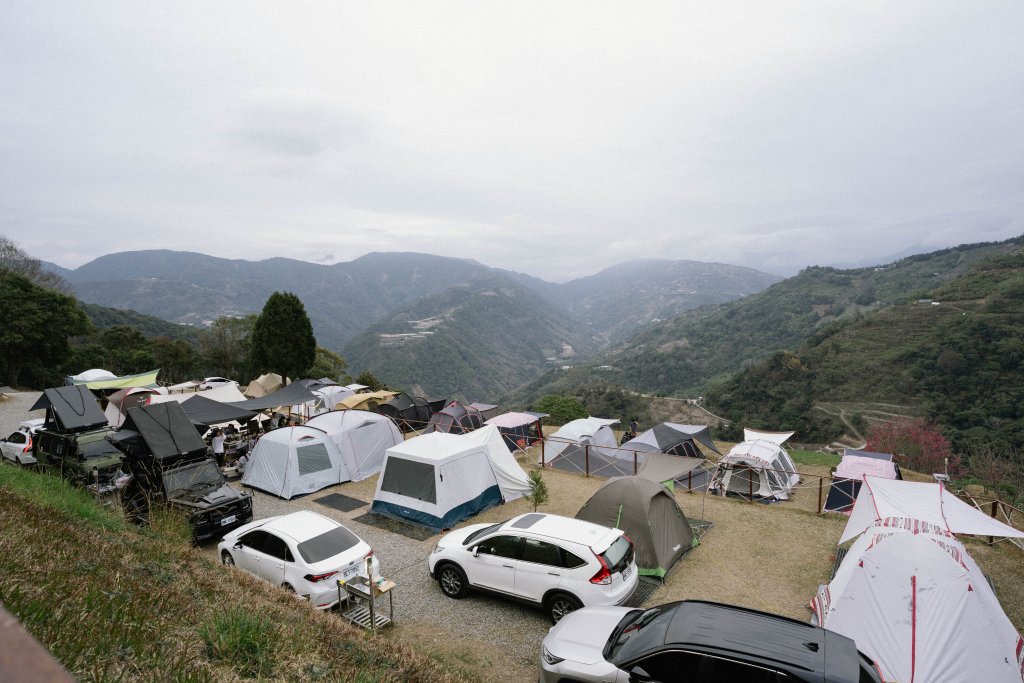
x=17, y=460
x=225, y=557
x=452, y=581
x=288, y=587
x=561, y=604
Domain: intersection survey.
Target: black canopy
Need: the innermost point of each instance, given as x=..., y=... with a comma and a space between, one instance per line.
x=71, y=408
x=163, y=428
x=291, y=395
x=206, y=411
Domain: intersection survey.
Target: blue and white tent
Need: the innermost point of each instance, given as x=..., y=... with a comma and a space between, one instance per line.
x=439, y=479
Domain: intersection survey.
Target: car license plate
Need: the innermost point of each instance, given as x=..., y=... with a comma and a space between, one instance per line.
x=351, y=571
x=626, y=572
x=228, y=520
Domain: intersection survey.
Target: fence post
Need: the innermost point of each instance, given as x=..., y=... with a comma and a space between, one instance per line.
x=821, y=485
x=689, y=481
x=586, y=455
x=543, y=445
x=634, y=463
x=995, y=508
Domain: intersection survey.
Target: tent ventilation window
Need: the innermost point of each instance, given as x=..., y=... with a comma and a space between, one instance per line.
x=312, y=459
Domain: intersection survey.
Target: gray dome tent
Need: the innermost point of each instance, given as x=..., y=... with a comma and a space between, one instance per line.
x=648, y=513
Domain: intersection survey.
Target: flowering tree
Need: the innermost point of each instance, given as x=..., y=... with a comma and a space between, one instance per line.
x=917, y=444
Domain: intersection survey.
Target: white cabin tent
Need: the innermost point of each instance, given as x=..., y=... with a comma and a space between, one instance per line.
x=439, y=479
x=567, y=449
x=292, y=461
x=361, y=438
x=849, y=474
x=914, y=600
x=759, y=469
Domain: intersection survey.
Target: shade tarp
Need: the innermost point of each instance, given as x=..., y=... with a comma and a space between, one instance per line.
x=165, y=429
x=880, y=499
x=913, y=599
x=144, y=379
x=204, y=411
x=777, y=438
x=293, y=394
x=72, y=408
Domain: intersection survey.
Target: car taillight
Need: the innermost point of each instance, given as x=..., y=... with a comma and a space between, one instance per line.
x=313, y=578
x=604, y=576
x=368, y=555
x=28, y=446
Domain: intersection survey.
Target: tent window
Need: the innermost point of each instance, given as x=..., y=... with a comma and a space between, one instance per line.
x=312, y=459
x=409, y=478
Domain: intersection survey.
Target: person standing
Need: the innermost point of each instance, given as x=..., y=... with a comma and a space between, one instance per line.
x=218, y=447
x=632, y=427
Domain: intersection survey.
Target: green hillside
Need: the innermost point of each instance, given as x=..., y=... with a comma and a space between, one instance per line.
x=959, y=360
x=476, y=342
x=150, y=326
x=681, y=356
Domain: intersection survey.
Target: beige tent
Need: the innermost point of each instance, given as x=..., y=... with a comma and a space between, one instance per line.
x=265, y=384
x=368, y=401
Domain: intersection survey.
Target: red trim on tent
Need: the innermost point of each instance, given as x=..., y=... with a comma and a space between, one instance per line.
x=913, y=626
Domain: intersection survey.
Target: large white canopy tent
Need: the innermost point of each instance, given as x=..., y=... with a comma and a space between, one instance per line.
x=361, y=438
x=293, y=461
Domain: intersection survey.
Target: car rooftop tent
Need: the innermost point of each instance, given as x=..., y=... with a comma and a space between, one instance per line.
x=438, y=479
x=70, y=408
x=162, y=430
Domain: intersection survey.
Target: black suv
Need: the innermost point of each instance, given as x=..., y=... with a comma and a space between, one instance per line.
x=170, y=465
x=698, y=641
x=73, y=438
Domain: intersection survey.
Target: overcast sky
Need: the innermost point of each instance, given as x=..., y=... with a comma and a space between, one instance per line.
x=551, y=138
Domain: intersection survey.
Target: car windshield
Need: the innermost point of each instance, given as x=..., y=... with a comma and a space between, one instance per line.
x=96, y=449
x=327, y=544
x=637, y=632
x=202, y=475
x=481, y=532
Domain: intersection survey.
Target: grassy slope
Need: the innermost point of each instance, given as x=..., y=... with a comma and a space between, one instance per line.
x=116, y=603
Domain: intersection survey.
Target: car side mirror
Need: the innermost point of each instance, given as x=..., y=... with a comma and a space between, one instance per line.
x=638, y=675
x=476, y=551
x=237, y=546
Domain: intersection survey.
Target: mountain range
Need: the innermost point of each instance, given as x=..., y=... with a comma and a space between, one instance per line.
x=510, y=325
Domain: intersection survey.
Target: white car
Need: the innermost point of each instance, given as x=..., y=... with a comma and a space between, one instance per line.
x=18, y=446
x=215, y=382
x=557, y=563
x=302, y=552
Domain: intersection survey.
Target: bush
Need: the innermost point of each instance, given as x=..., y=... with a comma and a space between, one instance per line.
x=560, y=409
x=246, y=642
x=918, y=445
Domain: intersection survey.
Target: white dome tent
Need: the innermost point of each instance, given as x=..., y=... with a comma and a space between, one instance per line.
x=567, y=449
x=293, y=461
x=361, y=438
x=758, y=469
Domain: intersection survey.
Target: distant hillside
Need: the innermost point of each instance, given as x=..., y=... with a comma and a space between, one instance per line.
x=475, y=342
x=960, y=360
x=151, y=326
x=681, y=356
x=619, y=301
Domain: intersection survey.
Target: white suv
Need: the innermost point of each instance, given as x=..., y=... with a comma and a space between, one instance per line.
x=555, y=562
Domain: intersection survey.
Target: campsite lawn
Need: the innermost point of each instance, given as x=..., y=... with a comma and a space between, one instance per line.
x=814, y=458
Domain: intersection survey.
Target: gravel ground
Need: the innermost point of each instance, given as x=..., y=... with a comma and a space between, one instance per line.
x=14, y=409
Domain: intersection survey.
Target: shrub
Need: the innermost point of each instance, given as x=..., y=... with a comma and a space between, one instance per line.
x=919, y=445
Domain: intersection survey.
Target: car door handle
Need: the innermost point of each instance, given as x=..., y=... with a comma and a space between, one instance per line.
x=554, y=574
x=509, y=566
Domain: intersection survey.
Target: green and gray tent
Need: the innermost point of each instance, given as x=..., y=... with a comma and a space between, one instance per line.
x=648, y=513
